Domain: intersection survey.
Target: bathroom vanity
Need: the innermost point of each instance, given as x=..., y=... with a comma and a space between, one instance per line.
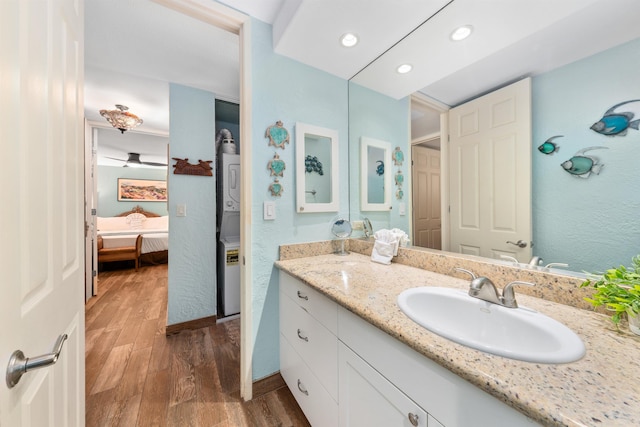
x=351, y=357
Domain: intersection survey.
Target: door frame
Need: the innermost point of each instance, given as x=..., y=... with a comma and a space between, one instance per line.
x=231, y=20
x=443, y=109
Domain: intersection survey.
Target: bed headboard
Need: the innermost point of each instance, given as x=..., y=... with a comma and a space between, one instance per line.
x=138, y=209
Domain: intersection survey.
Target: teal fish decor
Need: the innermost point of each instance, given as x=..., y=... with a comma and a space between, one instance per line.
x=549, y=147
x=399, y=178
x=276, y=188
x=380, y=168
x=276, y=166
x=581, y=165
x=398, y=157
x=616, y=123
x=277, y=134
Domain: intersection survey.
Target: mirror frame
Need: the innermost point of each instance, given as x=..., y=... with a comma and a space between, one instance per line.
x=302, y=206
x=365, y=143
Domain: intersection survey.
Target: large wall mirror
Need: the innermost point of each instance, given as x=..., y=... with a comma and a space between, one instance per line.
x=590, y=224
x=375, y=174
x=316, y=169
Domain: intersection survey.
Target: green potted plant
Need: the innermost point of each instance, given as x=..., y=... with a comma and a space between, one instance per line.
x=618, y=290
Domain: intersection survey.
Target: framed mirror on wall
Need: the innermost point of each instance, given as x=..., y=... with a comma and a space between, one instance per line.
x=375, y=174
x=317, y=174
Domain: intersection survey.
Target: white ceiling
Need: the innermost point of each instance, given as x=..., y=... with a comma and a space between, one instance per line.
x=134, y=48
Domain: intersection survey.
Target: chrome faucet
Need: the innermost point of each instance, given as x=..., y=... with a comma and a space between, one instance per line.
x=535, y=261
x=484, y=289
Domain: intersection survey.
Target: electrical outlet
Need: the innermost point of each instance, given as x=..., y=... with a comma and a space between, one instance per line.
x=357, y=225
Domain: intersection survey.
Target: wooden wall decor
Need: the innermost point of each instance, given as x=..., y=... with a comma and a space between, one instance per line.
x=183, y=167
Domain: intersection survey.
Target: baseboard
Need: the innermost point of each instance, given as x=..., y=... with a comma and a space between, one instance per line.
x=267, y=384
x=191, y=324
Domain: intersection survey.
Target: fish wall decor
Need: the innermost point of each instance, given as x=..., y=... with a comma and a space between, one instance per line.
x=615, y=123
x=581, y=165
x=380, y=168
x=549, y=147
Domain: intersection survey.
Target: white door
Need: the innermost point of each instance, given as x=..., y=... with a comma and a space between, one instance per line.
x=490, y=174
x=41, y=221
x=427, y=221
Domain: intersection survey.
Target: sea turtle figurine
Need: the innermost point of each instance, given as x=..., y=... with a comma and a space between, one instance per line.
x=277, y=134
x=276, y=166
x=276, y=188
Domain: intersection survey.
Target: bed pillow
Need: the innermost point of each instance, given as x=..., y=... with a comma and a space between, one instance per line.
x=112, y=223
x=135, y=220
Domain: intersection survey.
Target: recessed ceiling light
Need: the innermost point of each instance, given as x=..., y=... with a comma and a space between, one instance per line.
x=461, y=33
x=404, y=68
x=349, y=40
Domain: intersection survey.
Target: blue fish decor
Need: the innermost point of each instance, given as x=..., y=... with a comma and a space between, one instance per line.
x=581, y=165
x=380, y=168
x=616, y=123
x=549, y=147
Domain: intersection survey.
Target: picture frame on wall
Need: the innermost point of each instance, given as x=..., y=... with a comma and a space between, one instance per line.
x=141, y=190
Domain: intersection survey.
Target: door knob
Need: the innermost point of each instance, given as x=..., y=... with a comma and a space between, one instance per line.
x=19, y=365
x=519, y=243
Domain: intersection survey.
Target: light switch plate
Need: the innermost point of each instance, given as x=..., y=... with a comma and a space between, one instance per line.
x=402, y=209
x=181, y=210
x=269, y=211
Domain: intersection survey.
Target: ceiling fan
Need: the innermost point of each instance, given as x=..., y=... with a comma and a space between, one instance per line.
x=134, y=161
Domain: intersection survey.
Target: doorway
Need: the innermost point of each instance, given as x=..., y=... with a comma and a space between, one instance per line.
x=235, y=25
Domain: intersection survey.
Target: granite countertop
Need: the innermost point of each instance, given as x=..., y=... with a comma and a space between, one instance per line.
x=601, y=389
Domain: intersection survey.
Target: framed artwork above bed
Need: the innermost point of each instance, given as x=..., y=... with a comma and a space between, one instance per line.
x=141, y=190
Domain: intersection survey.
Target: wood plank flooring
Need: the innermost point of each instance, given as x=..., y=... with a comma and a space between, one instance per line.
x=137, y=376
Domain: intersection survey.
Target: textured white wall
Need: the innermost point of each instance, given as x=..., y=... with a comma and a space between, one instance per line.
x=192, y=239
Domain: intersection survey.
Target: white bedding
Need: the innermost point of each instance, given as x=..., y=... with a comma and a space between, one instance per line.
x=117, y=232
x=153, y=242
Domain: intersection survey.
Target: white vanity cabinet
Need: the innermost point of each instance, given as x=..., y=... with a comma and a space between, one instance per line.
x=309, y=350
x=345, y=372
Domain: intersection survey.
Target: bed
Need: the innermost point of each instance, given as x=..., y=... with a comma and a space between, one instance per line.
x=123, y=229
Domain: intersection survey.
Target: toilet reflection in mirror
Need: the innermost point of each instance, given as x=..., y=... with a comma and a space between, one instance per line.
x=375, y=174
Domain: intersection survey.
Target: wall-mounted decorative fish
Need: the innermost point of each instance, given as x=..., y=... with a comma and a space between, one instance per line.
x=612, y=123
x=581, y=165
x=549, y=147
x=380, y=168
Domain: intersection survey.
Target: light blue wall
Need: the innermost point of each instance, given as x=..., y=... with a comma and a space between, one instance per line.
x=592, y=224
x=289, y=91
x=108, y=204
x=192, y=241
x=377, y=116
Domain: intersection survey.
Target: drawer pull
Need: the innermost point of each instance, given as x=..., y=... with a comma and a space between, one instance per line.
x=302, y=389
x=302, y=296
x=413, y=419
x=302, y=337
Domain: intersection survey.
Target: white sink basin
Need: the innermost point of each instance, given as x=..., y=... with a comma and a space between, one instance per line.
x=517, y=333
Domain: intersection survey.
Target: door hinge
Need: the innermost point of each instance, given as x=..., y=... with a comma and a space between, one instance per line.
x=93, y=211
x=94, y=273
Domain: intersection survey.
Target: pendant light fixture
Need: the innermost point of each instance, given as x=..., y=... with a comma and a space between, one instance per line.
x=121, y=118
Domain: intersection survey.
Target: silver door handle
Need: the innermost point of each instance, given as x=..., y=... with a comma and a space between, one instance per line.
x=19, y=365
x=519, y=243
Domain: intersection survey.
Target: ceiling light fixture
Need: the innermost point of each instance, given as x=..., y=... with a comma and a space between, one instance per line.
x=349, y=40
x=461, y=33
x=121, y=118
x=404, y=68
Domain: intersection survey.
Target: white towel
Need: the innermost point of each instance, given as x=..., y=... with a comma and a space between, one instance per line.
x=382, y=252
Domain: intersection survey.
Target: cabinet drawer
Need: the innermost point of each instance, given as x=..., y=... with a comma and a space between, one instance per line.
x=316, y=403
x=314, y=303
x=369, y=399
x=317, y=346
